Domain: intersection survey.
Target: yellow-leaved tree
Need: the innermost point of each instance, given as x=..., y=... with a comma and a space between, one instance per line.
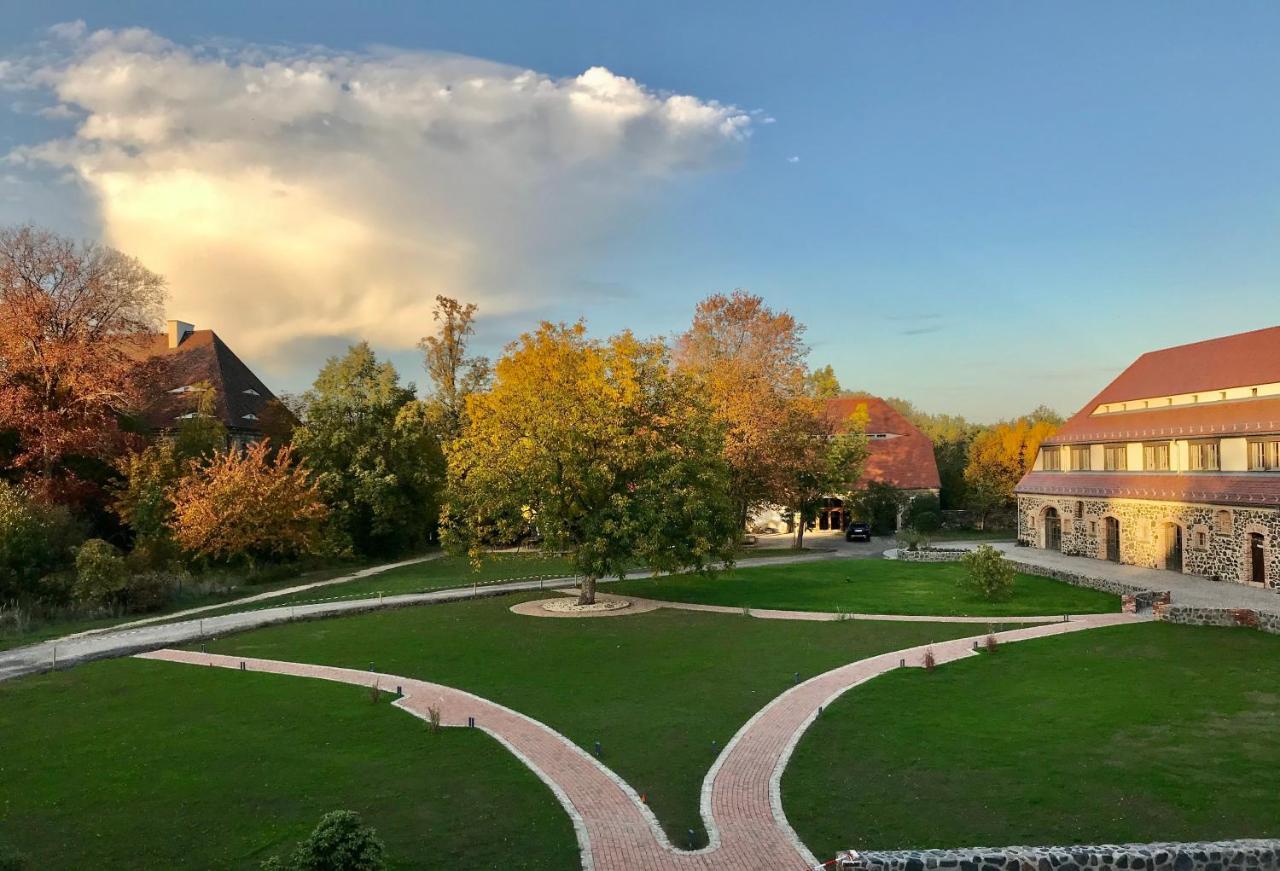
x=597, y=448
x=999, y=457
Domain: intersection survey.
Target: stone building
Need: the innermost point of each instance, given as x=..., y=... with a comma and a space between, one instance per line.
x=1174, y=465
x=898, y=454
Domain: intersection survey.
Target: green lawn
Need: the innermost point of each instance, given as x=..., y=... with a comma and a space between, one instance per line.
x=1151, y=732
x=943, y=535
x=870, y=586
x=655, y=689
x=135, y=764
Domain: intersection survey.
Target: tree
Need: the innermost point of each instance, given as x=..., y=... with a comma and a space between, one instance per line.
x=36, y=539
x=454, y=375
x=880, y=503
x=66, y=373
x=374, y=453
x=203, y=434
x=951, y=435
x=999, y=457
x=988, y=572
x=750, y=361
x=341, y=842
x=825, y=460
x=245, y=505
x=143, y=499
x=823, y=384
x=602, y=448
x=923, y=513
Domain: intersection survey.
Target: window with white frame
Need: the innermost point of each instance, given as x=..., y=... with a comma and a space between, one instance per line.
x=1115, y=458
x=1155, y=457
x=1264, y=455
x=1203, y=456
x=1051, y=459
x=1080, y=458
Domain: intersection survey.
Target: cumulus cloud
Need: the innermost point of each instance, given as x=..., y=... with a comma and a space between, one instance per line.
x=312, y=194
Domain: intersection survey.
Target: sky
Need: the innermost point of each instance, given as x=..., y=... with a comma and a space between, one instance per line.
x=980, y=207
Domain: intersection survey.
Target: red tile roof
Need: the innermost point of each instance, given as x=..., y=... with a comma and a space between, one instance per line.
x=1217, y=364
x=200, y=356
x=1216, y=489
x=905, y=460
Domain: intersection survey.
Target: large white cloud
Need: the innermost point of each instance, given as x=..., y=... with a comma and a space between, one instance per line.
x=313, y=194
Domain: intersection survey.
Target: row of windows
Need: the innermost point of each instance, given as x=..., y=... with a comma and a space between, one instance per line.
x=1202, y=456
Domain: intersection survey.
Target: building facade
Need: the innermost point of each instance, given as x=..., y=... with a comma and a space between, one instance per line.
x=1174, y=465
x=898, y=454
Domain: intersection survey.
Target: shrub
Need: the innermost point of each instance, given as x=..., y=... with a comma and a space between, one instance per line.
x=35, y=540
x=341, y=842
x=101, y=574
x=988, y=572
x=12, y=860
x=912, y=539
x=879, y=503
x=246, y=505
x=930, y=661
x=992, y=644
x=924, y=513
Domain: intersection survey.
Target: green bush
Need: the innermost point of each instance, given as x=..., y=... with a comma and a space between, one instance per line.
x=341, y=842
x=101, y=574
x=35, y=541
x=879, y=504
x=923, y=513
x=988, y=572
x=912, y=539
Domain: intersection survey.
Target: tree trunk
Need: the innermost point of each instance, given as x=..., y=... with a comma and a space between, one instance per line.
x=587, y=591
x=799, y=543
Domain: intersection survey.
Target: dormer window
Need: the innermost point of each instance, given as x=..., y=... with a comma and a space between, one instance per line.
x=186, y=388
x=251, y=392
x=250, y=417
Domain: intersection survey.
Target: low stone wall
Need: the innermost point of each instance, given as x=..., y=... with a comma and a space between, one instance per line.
x=1253, y=855
x=1143, y=597
x=1266, y=621
x=931, y=555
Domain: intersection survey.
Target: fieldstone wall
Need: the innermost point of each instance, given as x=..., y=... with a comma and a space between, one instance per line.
x=931, y=555
x=1254, y=855
x=1266, y=621
x=1215, y=538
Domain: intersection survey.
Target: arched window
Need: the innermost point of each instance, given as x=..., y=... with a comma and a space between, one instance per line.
x=1222, y=522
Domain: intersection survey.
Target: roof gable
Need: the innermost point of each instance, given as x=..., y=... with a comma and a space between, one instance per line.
x=905, y=459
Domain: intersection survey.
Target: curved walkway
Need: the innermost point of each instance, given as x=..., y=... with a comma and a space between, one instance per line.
x=741, y=803
x=143, y=635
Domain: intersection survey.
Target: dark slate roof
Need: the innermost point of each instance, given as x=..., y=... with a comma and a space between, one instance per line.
x=200, y=356
x=904, y=460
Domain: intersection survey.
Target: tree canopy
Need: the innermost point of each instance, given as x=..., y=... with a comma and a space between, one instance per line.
x=597, y=448
x=454, y=375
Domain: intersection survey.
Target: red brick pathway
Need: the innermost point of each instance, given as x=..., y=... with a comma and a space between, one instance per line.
x=616, y=831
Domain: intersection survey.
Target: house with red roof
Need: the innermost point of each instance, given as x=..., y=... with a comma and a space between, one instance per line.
x=1174, y=465
x=899, y=454
x=181, y=363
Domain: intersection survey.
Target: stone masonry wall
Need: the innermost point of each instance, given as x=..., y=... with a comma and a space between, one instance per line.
x=1215, y=538
x=1076, y=579
x=1266, y=621
x=1245, y=855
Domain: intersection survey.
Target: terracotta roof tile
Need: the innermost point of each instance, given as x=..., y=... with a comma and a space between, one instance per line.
x=1218, y=489
x=906, y=460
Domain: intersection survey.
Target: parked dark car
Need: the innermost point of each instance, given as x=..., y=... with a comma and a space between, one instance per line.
x=857, y=530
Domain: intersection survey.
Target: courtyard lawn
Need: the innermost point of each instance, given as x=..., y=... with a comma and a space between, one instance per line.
x=136, y=764
x=869, y=586
x=656, y=689
x=1150, y=732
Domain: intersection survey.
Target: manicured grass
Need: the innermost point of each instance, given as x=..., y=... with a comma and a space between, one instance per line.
x=1150, y=732
x=870, y=586
x=973, y=535
x=135, y=764
x=655, y=689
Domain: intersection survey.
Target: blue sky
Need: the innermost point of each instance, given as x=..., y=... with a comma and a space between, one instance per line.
x=994, y=205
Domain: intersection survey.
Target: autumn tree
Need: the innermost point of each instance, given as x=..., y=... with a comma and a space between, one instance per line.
x=454, y=375
x=999, y=457
x=822, y=383
x=374, y=453
x=201, y=433
x=247, y=505
x=750, y=361
x=66, y=374
x=603, y=448
x=825, y=458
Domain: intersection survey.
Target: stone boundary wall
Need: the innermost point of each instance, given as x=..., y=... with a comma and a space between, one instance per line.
x=1266, y=621
x=1247, y=855
x=931, y=555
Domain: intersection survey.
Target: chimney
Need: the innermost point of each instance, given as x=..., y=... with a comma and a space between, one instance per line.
x=179, y=330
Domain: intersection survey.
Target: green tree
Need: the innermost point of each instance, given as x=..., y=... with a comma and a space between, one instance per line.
x=602, y=448
x=373, y=452
x=825, y=460
x=454, y=375
x=988, y=572
x=202, y=434
x=923, y=513
x=36, y=539
x=823, y=384
x=879, y=504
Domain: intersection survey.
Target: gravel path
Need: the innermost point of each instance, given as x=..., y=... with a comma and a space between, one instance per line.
x=616, y=831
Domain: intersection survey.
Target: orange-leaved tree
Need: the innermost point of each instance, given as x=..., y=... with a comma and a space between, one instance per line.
x=66, y=371
x=750, y=361
x=248, y=505
x=999, y=457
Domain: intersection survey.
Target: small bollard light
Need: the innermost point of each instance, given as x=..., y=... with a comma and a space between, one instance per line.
x=797, y=680
x=819, y=710
x=599, y=751
x=399, y=692
x=975, y=644
x=371, y=668
x=471, y=722
x=691, y=839
x=242, y=665
x=902, y=663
